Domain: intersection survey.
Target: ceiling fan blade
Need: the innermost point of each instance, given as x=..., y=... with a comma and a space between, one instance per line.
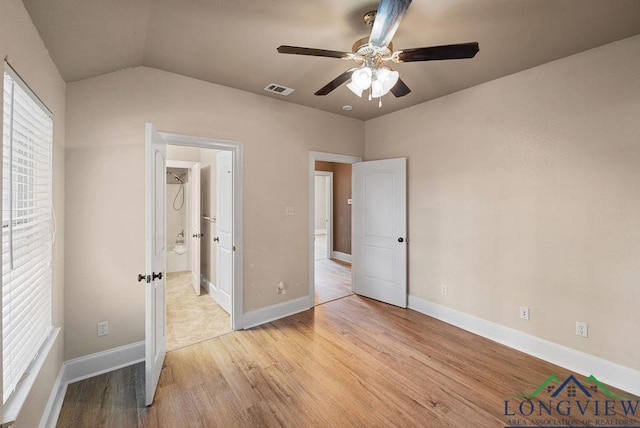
x=335, y=82
x=296, y=50
x=400, y=89
x=433, y=53
x=388, y=17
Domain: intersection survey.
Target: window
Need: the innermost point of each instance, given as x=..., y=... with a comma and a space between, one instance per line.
x=27, y=229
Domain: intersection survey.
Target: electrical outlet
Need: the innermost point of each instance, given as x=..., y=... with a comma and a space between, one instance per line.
x=524, y=313
x=444, y=289
x=103, y=328
x=289, y=211
x=582, y=329
x=280, y=288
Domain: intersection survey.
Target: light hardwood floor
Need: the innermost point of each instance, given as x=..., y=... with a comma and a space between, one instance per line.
x=352, y=362
x=190, y=318
x=332, y=280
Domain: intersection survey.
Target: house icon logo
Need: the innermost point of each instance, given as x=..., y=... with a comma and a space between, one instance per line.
x=571, y=387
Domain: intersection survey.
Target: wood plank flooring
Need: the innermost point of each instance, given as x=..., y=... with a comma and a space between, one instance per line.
x=190, y=318
x=352, y=362
x=332, y=280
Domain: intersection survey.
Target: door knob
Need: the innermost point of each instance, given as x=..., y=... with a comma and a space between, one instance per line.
x=400, y=239
x=143, y=277
x=156, y=276
x=216, y=239
x=197, y=235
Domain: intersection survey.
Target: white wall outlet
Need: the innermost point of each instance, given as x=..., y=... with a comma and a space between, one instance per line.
x=524, y=313
x=280, y=289
x=103, y=328
x=289, y=211
x=582, y=329
x=444, y=289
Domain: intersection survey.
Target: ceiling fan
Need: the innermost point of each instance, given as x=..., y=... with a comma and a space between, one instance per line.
x=371, y=53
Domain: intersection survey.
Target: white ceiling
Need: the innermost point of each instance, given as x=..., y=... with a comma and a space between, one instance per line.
x=233, y=42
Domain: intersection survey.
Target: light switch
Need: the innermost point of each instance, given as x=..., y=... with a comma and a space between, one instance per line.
x=349, y=201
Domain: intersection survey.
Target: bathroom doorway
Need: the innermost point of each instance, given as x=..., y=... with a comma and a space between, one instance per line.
x=197, y=309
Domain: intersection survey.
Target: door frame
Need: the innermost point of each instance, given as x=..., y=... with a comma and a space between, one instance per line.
x=236, y=149
x=329, y=209
x=313, y=157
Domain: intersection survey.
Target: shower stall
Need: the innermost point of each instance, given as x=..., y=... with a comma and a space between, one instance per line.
x=177, y=248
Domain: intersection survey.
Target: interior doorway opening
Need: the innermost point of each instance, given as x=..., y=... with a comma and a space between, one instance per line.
x=197, y=310
x=330, y=217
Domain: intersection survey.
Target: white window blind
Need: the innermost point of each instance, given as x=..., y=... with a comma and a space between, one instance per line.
x=27, y=229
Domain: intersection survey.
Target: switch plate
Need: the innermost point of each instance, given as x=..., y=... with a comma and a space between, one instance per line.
x=349, y=201
x=444, y=289
x=582, y=329
x=103, y=328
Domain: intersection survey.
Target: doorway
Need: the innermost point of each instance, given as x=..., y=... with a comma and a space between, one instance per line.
x=202, y=225
x=194, y=310
x=330, y=218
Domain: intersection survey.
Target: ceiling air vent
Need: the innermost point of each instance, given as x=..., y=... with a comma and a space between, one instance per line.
x=278, y=89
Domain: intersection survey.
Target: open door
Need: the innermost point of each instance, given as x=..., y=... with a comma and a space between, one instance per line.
x=224, y=229
x=379, y=230
x=195, y=218
x=155, y=303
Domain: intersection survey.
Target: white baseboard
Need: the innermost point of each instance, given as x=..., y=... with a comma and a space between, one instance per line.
x=54, y=405
x=341, y=256
x=611, y=373
x=86, y=367
x=321, y=231
x=274, y=312
x=208, y=285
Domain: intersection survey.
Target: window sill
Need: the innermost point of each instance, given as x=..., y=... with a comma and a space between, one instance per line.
x=12, y=407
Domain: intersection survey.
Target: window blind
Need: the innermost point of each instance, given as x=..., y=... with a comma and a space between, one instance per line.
x=27, y=228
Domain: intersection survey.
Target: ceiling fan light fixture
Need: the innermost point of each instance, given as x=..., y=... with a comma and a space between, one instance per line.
x=388, y=78
x=361, y=78
x=354, y=88
x=376, y=89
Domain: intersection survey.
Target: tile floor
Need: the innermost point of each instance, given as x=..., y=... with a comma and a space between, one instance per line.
x=190, y=318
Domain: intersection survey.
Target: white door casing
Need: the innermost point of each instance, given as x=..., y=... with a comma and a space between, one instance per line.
x=224, y=229
x=379, y=230
x=193, y=182
x=155, y=301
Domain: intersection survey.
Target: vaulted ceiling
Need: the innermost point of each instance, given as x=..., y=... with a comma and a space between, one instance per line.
x=233, y=42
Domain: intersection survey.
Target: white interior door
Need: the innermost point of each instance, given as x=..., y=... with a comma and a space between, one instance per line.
x=324, y=210
x=194, y=225
x=224, y=229
x=379, y=230
x=155, y=303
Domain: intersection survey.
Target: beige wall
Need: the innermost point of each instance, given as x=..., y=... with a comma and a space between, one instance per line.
x=524, y=192
x=105, y=193
x=20, y=42
x=341, y=207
